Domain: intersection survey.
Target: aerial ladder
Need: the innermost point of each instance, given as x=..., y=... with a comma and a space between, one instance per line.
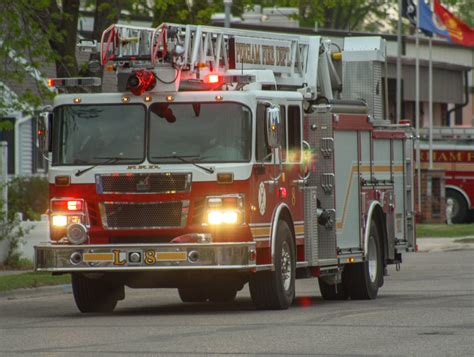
x=190, y=52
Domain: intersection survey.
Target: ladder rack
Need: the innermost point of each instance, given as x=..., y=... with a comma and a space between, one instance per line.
x=192, y=48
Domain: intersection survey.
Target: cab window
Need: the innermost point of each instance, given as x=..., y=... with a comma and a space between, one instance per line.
x=283, y=132
x=294, y=133
x=261, y=148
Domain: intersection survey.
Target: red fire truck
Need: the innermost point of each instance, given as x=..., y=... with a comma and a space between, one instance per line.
x=228, y=157
x=452, y=151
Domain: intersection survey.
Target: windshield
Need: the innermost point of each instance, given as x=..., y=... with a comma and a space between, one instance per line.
x=200, y=132
x=92, y=134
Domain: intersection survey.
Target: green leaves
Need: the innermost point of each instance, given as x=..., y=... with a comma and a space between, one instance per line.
x=24, y=49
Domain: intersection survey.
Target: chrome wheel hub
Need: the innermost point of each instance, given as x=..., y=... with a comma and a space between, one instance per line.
x=286, y=269
x=372, y=259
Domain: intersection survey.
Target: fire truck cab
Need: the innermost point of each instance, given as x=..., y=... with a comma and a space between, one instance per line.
x=228, y=157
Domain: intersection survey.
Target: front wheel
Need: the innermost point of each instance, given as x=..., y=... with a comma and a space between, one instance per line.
x=95, y=295
x=459, y=211
x=362, y=280
x=276, y=289
x=222, y=294
x=192, y=294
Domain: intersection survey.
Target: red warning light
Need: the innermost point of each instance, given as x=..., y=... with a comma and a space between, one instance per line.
x=141, y=81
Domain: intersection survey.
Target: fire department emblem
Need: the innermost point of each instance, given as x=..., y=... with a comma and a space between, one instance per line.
x=262, y=198
x=143, y=185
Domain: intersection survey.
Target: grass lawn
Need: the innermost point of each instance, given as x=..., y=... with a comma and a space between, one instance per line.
x=464, y=240
x=444, y=230
x=31, y=280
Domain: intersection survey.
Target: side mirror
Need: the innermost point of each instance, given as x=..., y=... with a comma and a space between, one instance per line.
x=42, y=125
x=272, y=126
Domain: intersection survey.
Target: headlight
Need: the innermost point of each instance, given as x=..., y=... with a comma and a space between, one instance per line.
x=69, y=219
x=225, y=210
x=59, y=221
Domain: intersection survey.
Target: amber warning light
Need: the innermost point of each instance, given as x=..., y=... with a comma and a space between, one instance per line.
x=74, y=82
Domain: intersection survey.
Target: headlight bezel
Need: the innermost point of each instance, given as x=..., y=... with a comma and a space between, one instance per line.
x=224, y=210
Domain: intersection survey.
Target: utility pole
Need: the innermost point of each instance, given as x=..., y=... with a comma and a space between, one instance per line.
x=399, y=64
x=228, y=6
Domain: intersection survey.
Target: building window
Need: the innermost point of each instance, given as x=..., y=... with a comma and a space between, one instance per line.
x=443, y=110
x=436, y=196
x=458, y=116
x=39, y=162
x=7, y=133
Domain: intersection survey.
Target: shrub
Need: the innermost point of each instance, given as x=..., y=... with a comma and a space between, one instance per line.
x=28, y=195
x=12, y=232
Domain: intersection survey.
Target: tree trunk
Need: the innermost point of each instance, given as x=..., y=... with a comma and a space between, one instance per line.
x=61, y=28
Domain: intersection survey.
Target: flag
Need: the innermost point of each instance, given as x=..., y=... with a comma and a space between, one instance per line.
x=409, y=11
x=430, y=22
x=458, y=31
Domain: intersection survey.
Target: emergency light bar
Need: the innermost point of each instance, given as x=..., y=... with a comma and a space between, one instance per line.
x=74, y=82
x=214, y=78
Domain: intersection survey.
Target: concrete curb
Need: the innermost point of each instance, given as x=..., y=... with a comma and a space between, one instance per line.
x=36, y=292
x=428, y=245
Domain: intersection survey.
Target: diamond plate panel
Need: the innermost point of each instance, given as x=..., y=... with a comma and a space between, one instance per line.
x=310, y=225
x=319, y=136
x=363, y=80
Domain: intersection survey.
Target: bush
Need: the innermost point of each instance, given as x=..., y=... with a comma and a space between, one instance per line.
x=12, y=232
x=28, y=195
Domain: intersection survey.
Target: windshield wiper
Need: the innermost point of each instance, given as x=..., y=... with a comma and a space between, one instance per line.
x=108, y=160
x=184, y=159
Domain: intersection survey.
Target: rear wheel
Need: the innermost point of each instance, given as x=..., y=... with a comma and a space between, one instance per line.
x=95, y=295
x=362, y=280
x=460, y=211
x=276, y=289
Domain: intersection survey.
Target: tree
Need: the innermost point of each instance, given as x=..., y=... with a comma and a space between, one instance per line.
x=184, y=11
x=23, y=50
x=341, y=14
x=463, y=9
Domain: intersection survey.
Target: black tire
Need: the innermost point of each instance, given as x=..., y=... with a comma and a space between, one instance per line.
x=362, y=280
x=276, y=289
x=460, y=211
x=95, y=295
x=224, y=294
x=194, y=294
x=332, y=292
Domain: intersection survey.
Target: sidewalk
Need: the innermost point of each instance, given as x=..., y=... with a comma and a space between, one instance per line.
x=442, y=244
x=13, y=272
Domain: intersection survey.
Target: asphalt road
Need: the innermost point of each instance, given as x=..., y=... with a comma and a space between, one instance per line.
x=426, y=309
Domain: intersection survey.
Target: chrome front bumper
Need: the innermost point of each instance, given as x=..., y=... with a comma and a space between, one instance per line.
x=136, y=257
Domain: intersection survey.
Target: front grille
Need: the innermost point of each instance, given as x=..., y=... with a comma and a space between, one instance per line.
x=143, y=183
x=140, y=239
x=135, y=215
